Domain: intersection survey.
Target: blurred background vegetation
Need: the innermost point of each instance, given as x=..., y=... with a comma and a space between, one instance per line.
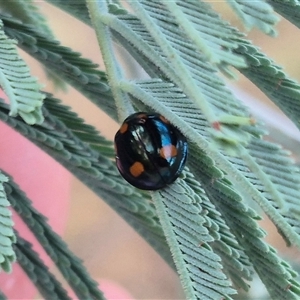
x=109, y=247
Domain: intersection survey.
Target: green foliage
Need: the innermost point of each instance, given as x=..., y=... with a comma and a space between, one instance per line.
x=2, y=296
x=39, y=274
x=203, y=224
x=69, y=65
x=256, y=13
x=289, y=9
x=22, y=89
x=7, y=236
x=272, y=80
x=186, y=228
x=28, y=12
x=69, y=265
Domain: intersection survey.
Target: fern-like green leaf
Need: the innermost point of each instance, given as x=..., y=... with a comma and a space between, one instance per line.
x=281, y=284
x=81, y=73
x=80, y=11
x=242, y=221
x=2, y=296
x=255, y=13
x=76, y=8
x=235, y=262
x=272, y=80
x=29, y=13
x=22, y=90
x=268, y=76
x=69, y=265
x=276, y=164
x=37, y=271
x=86, y=133
x=289, y=9
x=7, y=236
x=198, y=266
x=214, y=41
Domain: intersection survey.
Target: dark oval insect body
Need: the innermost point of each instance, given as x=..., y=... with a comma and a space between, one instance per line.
x=150, y=151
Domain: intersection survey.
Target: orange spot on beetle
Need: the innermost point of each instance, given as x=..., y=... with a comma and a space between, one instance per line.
x=164, y=119
x=123, y=128
x=136, y=169
x=142, y=116
x=168, y=151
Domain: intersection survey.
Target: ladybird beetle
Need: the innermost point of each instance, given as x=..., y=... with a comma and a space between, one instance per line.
x=150, y=151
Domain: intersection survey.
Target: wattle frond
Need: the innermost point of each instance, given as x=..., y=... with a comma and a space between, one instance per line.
x=235, y=262
x=269, y=77
x=21, y=88
x=27, y=12
x=265, y=74
x=207, y=33
x=256, y=13
x=85, y=132
x=188, y=238
x=76, y=8
x=272, y=80
x=284, y=175
x=48, y=286
x=79, y=72
x=7, y=236
x=282, y=283
x=289, y=9
x=241, y=220
x=68, y=264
